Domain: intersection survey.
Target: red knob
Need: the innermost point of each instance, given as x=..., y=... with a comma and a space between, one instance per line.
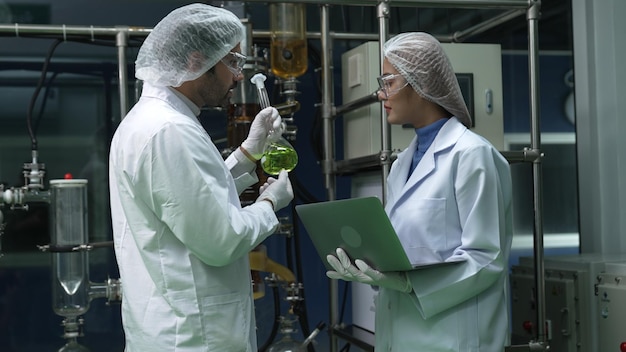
x=68, y=176
x=622, y=347
x=528, y=326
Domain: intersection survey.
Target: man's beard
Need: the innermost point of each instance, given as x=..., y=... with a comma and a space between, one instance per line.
x=223, y=102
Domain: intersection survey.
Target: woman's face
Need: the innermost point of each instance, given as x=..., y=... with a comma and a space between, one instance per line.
x=401, y=103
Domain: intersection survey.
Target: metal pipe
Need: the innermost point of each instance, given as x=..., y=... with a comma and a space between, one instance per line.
x=63, y=31
x=533, y=68
x=2, y=225
x=329, y=150
x=110, y=289
x=318, y=35
x=121, y=35
x=526, y=155
x=476, y=4
x=460, y=36
x=355, y=104
x=382, y=11
x=121, y=41
x=327, y=103
x=92, y=32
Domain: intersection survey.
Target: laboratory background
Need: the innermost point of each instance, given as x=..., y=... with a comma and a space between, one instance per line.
x=543, y=81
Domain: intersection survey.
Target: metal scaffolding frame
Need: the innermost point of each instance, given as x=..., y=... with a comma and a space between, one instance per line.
x=330, y=166
x=119, y=33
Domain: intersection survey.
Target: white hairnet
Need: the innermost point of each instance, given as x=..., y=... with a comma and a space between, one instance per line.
x=420, y=59
x=186, y=43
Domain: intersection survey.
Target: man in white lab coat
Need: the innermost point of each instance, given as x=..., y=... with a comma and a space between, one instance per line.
x=449, y=199
x=181, y=235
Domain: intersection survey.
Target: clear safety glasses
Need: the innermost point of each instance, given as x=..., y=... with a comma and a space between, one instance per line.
x=390, y=84
x=234, y=62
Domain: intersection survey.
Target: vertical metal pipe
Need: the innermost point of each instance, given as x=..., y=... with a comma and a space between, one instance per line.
x=327, y=102
x=2, y=225
x=382, y=10
x=121, y=41
x=329, y=149
x=535, y=135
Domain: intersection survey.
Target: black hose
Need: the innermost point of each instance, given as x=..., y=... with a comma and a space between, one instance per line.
x=276, y=324
x=44, y=100
x=33, y=101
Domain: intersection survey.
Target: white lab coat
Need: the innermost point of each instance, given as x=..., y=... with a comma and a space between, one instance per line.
x=457, y=203
x=181, y=236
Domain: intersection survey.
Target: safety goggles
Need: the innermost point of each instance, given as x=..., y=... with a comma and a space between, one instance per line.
x=234, y=62
x=390, y=84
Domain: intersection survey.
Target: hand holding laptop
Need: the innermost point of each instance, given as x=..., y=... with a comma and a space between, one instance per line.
x=362, y=227
x=345, y=270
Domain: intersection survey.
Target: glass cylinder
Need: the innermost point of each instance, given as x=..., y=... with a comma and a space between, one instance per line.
x=244, y=105
x=288, y=42
x=68, y=230
x=240, y=117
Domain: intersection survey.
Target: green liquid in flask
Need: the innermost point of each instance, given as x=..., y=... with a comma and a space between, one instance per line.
x=277, y=157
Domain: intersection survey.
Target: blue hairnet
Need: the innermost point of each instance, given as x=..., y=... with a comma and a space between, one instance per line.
x=187, y=43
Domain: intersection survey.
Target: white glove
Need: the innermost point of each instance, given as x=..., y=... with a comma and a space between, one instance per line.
x=278, y=192
x=344, y=270
x=265, y=121
x=268, y=182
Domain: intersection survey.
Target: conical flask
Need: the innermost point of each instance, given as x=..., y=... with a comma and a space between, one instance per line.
x=287, y=343
x=278, y=153
x=73, y=346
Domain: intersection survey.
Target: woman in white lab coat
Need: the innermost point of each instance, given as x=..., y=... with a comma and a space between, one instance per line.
x=449, y=199
x=181, y=235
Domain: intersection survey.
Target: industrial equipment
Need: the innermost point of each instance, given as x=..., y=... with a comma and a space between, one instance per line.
x=478, y=70
x=611, y=307
x=572, y=287
x=72, y=291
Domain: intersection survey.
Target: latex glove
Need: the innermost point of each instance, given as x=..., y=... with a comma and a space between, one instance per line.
x=279, y=192
x=345, y=270
x=268, y=182
x=341, y=263
x=265, y=121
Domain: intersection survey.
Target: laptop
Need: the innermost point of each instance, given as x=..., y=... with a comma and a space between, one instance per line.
x=362, y=228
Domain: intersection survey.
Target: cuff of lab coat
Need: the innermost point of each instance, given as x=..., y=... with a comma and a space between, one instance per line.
x=268, y=213
x=242, y=170
x=239, y=164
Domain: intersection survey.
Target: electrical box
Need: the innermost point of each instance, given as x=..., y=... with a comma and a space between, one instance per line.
x=562, y=310
x=570, y=300
x=362, y=127
x=479, y=71
x=611, y=303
